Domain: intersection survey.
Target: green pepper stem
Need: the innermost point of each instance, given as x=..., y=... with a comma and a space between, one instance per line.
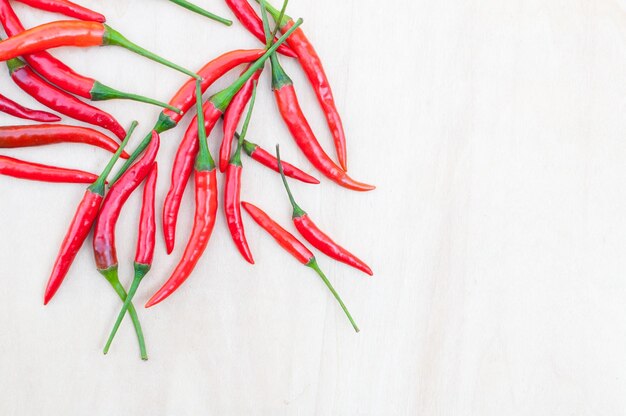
x=101, y=92
x=140, y=271
x=236, y=159
x=113, y=37
x=297, y=211
x=266, y=24
x=14, y=64
x=313, y=265
x=98, y=186
x=222, y=99
x=164, y=123
x=204, y=160
x=280, y=18
x=111, y=275
x=249, y=147
x=201, y=11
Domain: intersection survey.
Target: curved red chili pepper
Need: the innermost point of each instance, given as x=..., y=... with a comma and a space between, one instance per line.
x=80, y=226
x=302, y=133
x=314, y=70
x=43, y=173
x=311, y=232
x=11, y=107
x=44, y=134
x=196, y=9
x=232, y=115
x=104, y=232
x=232, y=190
x=265, y=158
x=63, y=76
x=184, y=97
x=206, y=210
x=232, y=210
x=294, y=247
x=67, y=8
x=60, y=101
x=249, y=19
x=74, y=33
x=145, y=247
x=181, y=171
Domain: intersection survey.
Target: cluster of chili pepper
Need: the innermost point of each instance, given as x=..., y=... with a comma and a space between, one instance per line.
x=56, y=86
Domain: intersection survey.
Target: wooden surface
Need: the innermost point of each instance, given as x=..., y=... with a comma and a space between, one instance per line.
x=495, y=132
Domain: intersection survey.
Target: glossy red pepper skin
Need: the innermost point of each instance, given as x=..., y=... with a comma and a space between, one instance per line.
x=104, y=249
x=58, y=100
x=11, y=107
x=267, y=159
x=232, y=210
x=43, y=173
x=144, y=254
x=318, y=239
x=44, y=134
x=283, y=237
x=181, y=171
x=52, y=35
x=251, y=21
x=302, y=133
x=47, y=65
x=76, y=235
x=67, y=8
x=232, y=115
x=314, y=70
x=184, y=98
x=204, y=222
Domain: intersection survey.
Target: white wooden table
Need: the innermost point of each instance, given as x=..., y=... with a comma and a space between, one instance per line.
x=496, y=134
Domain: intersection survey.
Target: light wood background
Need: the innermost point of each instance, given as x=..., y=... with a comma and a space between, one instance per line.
x=496, y=134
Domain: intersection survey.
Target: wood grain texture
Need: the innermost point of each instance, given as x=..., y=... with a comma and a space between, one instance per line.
x=495, y=132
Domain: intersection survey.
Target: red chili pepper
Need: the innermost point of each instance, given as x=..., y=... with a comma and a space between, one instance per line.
x=74, y=33
x=311, y=232
x=104, y=249
x=44, y=173
x=204, y=219
x=11, y=107
x=181, y=171
x=60, y=101
x=213, y=109
x=302, y=133
x=232, y=116
x=232, y=191
x=249, y=19
x=63, y=76
x=67, y=8
x=314, y=70
x=184, y=97
x=80, y=226
x=264, y=157
x=145, y=247
x=294, y=247
x=201, y=11
x=43, y=134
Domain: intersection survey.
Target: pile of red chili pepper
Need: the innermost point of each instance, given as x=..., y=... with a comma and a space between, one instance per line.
x=56, y=86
